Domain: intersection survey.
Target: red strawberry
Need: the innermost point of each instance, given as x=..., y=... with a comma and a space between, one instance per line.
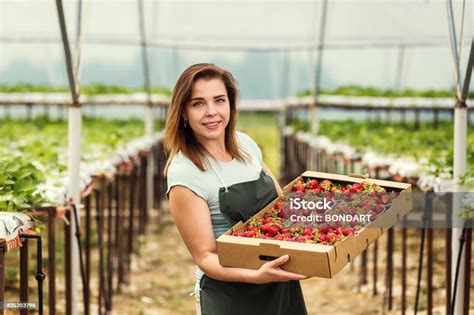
x=312, y=184
x=347, y=231
x=324, y=228
x=326, y=185
x=282, y=214
x=273, y=230
x=252, y=228
x=308, y=231
x=299, y=187
x=280, y=238
x=268, y=220
x=331, y=237
x=251, y=234
x=265, y=227
x=322, y=237
x=279, y=206
x=301, y=239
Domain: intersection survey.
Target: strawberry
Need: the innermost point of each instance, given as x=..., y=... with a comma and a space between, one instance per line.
x=347, y=231
x=279, y=206
x=280, y=237
x=322, y=237
x=331, y=237
x=251, y=228
x=268, y=220
x=299, y=186
x=250, y=234
x=282, y=214
x=324, y=228
x=265, y=228
x=273, y=230
x=301, y=239
x=326, y=185
x=312, y=184
x=308, y=231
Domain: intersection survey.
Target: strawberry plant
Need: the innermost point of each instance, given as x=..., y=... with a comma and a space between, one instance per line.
x=18, y=182
x=33, y=155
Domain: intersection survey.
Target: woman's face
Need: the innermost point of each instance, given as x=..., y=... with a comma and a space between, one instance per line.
x=208, y=112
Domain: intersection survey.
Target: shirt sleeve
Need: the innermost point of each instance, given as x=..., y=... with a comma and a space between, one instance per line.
x=182, y=174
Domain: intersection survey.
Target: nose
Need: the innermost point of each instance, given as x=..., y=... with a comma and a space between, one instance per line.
x=211, y=109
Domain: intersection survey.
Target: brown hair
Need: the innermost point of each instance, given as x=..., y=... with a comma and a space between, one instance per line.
x=180, y=138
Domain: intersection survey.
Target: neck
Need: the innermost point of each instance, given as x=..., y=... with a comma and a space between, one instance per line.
x=217, y=149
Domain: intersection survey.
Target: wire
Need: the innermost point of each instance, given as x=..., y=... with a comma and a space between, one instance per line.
x=462, y=28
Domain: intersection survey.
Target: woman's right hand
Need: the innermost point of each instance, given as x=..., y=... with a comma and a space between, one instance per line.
x=271, y=272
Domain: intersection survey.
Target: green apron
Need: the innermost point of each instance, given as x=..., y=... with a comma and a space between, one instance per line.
x=239, y=202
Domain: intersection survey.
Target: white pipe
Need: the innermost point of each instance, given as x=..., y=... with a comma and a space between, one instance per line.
x=74, y=164
x=314, y=120
x=460, y=146
x=150, y=170
x=149, y=120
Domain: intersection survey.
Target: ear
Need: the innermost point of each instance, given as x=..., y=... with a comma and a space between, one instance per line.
x=183, y=115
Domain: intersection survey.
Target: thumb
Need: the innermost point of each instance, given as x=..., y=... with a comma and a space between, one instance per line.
x=279, y=261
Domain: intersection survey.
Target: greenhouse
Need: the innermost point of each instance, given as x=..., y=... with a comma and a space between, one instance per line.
x=131, y=131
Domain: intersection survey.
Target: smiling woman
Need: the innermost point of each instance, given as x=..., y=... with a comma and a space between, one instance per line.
x=216, y=178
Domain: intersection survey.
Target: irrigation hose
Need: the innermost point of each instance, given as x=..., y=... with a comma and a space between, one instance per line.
x=428, y=201
x=462, y=240
x=40, y=276
x=81, y=263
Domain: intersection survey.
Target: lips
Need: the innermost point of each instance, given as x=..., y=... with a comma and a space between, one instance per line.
x=211, y=124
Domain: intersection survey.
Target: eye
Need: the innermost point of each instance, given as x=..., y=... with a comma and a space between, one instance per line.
x=220, y=100
x=196, y=104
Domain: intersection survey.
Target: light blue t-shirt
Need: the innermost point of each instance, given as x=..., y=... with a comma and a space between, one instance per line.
x=183, y=172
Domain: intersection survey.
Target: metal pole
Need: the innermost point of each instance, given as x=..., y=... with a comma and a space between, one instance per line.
x=79, y=41
x=460, y=155
x=3, y=250
x=146, y=68
x=319, y=66
x=320, y=47
x=74, y=153
x=400, y=62
x=149, y=106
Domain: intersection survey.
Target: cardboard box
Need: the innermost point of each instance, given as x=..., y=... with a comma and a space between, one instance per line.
x=313, y=259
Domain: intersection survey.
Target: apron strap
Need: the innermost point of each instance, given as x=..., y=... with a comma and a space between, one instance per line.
x=259, y=169
x=220, y=178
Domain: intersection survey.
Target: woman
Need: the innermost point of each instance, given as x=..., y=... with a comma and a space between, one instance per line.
x=216, y=178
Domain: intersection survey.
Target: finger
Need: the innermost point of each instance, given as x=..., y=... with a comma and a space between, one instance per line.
x=291, y=275
x=279, y=261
